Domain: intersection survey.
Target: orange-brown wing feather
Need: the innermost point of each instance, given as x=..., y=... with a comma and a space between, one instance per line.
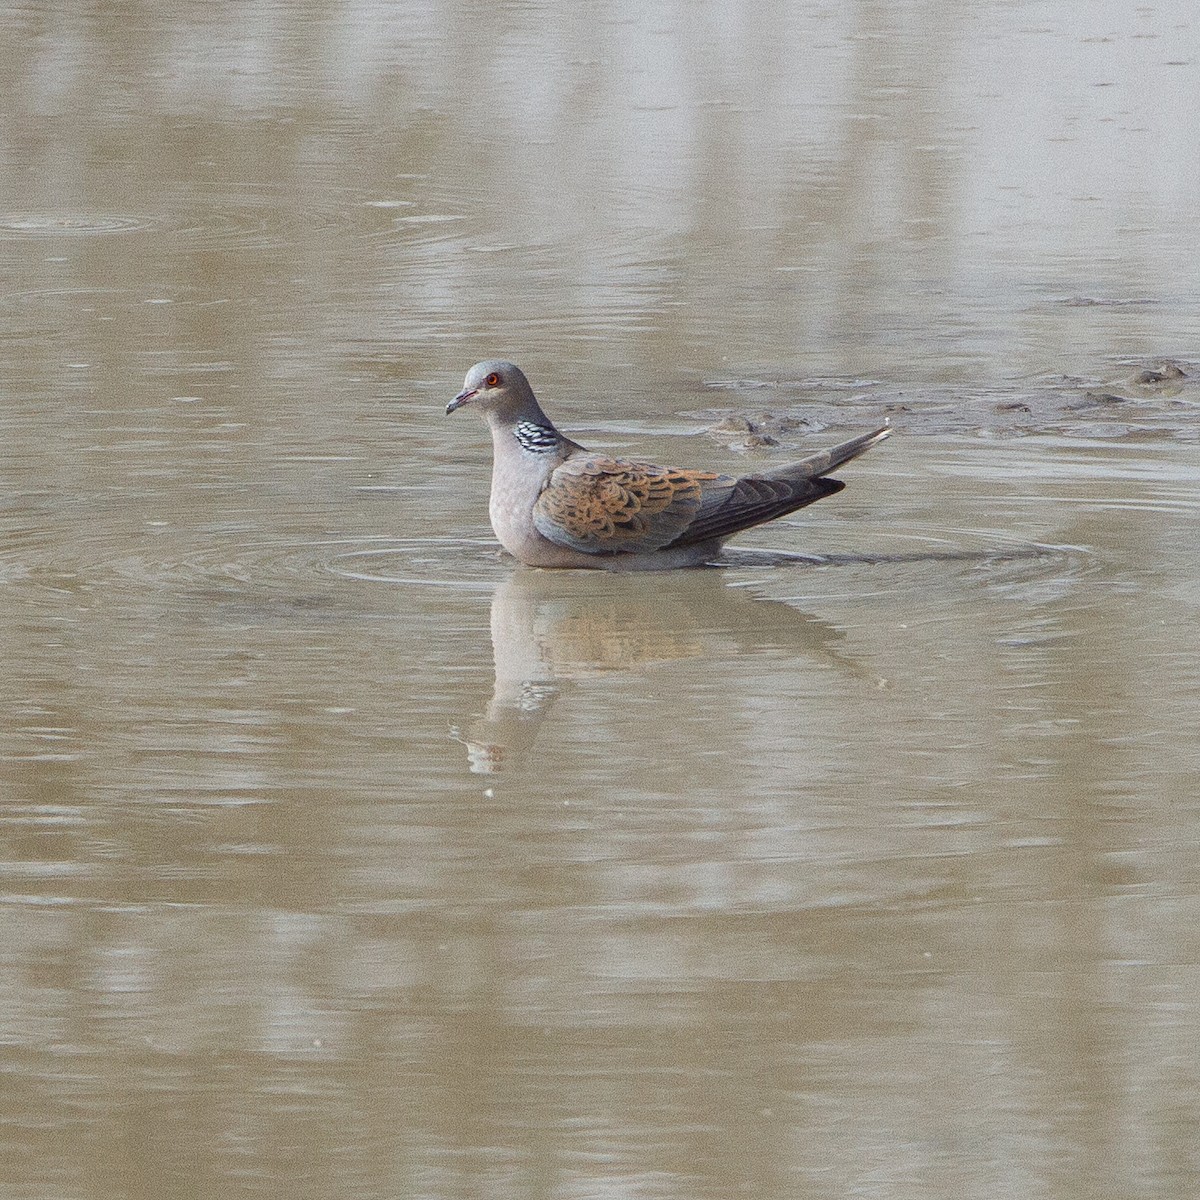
x=605, y=505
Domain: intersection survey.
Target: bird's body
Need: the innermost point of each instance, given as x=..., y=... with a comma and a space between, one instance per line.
x=556, y=504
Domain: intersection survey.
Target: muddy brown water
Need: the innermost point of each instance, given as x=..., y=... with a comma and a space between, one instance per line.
x=341, y=856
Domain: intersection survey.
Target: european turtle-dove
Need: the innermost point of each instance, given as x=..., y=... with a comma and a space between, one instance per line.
x=556, y=504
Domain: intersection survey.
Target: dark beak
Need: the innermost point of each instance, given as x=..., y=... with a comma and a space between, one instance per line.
x=460, y=400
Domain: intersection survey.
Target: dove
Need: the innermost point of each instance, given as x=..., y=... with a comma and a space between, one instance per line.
x=555, y=503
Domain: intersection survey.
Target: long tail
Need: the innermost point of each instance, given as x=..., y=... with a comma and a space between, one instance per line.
x=815, y=466
x=758, y=498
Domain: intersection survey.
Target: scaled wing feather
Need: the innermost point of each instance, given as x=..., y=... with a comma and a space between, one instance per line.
x=601, y=505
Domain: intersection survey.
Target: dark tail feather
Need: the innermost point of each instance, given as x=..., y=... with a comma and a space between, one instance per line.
x=758, y=498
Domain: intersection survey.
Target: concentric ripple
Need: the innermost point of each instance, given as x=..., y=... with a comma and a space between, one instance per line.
x=434, y=562
x=934, y=573
x=70, y=224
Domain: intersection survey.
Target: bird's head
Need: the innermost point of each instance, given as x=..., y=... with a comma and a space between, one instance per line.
x=497, y=389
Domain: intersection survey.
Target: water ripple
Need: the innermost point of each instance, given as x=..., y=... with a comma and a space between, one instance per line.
x=467, y=564
x=70, y=224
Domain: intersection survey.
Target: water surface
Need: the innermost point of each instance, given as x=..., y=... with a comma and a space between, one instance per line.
x=342, y=856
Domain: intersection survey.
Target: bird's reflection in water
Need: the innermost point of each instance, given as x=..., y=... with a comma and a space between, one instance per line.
x=552, y=629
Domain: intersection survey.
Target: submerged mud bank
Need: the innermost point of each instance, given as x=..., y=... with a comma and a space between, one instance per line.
x=1136, y=399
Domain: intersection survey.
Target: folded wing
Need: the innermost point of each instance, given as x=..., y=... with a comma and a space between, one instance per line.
x=603, y=505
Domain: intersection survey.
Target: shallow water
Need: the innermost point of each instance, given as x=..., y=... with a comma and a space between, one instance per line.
x=341, y=856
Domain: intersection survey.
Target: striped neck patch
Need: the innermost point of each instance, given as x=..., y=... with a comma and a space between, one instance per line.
x=535, y=438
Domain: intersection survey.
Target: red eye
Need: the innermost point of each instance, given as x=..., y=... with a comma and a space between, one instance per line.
x=493, y=380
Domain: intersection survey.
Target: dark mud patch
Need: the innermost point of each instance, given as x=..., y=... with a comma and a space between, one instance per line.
x=1156, y=399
